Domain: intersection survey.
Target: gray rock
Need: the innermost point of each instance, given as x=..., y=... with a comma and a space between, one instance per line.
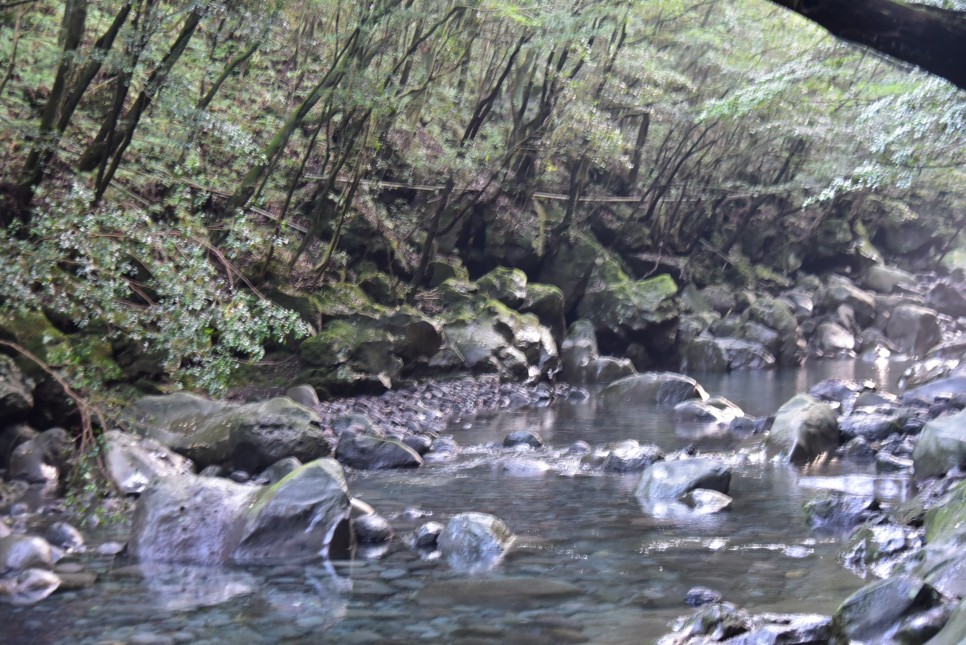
x=700, y=596
x=654, y=387
x=303, y=394
x=16, y=392
x=517, y=467
x=248, y=437
x=881, y=548
x=19, y=552
x=426, y=535
x=945, y=388
x=669, y=480
x=703, y=501
x=778, y=314
x=840, y=512
x=28, y=587
x=841, y=291
x=716, y=410
x=474, y=541
x=372, y=529
x=954, y=631
x=872, y=426
x=630, y=456
x=706, y=354
x=877, y=609
x=913, y=329
x=941, y=446
x=523, y=437
x=42, y=458
x=279, y=470
x=804, y=428
x=831, y=339
x=509, y=286
x=210, y=520
x=948, y=298
x=755, y=332
x=133, y=461
x=885, y=279
x=64, y=536
x=372, y=452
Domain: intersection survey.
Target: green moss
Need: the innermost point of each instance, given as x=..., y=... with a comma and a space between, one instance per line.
x=947, y=521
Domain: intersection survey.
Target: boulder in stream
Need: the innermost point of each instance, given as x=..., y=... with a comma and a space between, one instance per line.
x=876, y=611
x=474, y=542
x=666, y=388
x=247, y=437
x=133, y=461
x=941, y=446
x=669, y=480
x=804, y=428
x=209, y=520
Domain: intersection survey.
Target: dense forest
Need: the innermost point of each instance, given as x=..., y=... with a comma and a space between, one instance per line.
x=169, y=166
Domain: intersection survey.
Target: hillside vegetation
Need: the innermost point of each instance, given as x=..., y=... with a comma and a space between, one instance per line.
x=168, y=166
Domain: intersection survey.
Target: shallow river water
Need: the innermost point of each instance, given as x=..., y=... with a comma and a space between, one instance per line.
x=627, y=572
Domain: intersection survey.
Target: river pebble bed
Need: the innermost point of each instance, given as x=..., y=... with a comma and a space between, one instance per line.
x=588, y=565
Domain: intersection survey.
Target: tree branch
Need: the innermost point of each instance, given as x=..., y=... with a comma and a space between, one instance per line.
x=931, y=38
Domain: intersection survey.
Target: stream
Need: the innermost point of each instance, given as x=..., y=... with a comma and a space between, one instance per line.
x=574, y=525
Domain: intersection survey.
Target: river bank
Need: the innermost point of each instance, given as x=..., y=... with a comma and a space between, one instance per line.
x=555, y=479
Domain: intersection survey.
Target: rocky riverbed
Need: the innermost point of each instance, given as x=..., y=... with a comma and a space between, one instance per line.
x=274, y=481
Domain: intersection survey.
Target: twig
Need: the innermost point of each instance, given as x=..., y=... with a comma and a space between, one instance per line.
x=87, y=411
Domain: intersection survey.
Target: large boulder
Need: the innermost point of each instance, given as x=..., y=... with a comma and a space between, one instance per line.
x=954, y=632
x=913, y=329
x=941, y=446
x=948, y=298
x=16, y=392
x=831, y=339
x=492, y=338
x=707, y=354
x=249, y=437
x=943, y=388
x=133, y=461
x=580, y=362
x=804, y=428
x=669, y=480
x=630, y=456
x=371, y=451
x=547, y=303
x=625, y=310
x=362, y=353
x=876, y=611
x=208, y=520
x=509, y=286
x=779, y=315
x=841, y=291
x=667, y=388
x=43, y=458
x=886, y=279
x=474, y=542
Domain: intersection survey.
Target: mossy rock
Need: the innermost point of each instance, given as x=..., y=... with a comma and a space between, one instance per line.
x=547, y=303
x=946, y=522
x=509, y=286
x=441, y=270
x=339, y=340
x=379, y=288
x=632, y=309
x=570, y=268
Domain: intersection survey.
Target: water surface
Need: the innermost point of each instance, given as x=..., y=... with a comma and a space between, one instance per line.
x=574, y=525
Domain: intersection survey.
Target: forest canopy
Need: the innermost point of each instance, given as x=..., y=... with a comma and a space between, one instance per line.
x=170, y=166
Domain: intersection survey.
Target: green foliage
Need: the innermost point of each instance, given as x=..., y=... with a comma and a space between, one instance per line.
x=119, y=274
